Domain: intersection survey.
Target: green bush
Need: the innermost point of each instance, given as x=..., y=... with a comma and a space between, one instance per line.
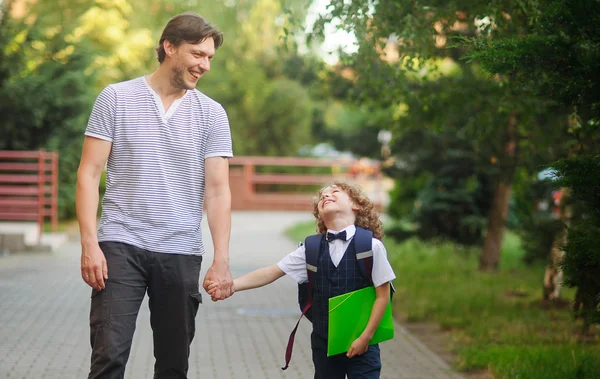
x=581, y=263
x=538, y=234
x=441, y=188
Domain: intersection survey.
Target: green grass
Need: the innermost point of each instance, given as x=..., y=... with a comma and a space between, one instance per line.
x=62, y=227
x=495, y=321
x=300, y=231
x=564, y=361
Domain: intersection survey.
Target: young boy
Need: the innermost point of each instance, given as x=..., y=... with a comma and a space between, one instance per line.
x=338, y=210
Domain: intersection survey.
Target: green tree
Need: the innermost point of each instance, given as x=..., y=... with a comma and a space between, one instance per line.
x=44, y=96
x=581, y=262
x=407, y=57
x=270, y=114
x=454, y=189
x=118, y=49
x=560, y=61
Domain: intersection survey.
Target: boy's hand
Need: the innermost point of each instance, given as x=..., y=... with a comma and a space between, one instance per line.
x=213, y=290
x=219, y=273
x=358, y=347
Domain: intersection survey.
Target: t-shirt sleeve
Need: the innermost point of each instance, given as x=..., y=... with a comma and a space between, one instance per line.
x=219, y=136
x=102, y=119
x=294, y=265
x=382, y=270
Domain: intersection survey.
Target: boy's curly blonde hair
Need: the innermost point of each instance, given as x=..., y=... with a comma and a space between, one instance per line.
x=366, y=215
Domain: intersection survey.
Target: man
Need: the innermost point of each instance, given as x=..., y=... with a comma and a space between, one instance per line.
x=166, y=148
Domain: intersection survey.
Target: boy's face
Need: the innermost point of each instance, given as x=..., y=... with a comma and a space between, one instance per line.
x=334, y=200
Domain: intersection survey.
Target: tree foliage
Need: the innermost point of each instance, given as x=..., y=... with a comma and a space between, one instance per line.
x=44, y=96
x=560, y=61
x=581, y=263
x=34, y=68
x=452, y=195
x=410, y=59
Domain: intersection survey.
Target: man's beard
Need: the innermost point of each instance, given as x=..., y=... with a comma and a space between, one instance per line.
x=177, y=78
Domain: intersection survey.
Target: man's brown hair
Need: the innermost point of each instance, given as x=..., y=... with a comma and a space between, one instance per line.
x=187, y=27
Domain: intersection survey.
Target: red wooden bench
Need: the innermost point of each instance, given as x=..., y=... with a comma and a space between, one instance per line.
x=29, y=187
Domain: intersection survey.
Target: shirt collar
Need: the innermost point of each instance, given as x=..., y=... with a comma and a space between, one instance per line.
x=350, y=231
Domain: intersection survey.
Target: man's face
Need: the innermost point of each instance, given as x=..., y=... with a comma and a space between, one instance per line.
x=189, y=62
x=334, y=199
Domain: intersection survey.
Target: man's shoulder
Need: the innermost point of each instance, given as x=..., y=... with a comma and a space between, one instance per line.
x=207, y=101
x=125, y=87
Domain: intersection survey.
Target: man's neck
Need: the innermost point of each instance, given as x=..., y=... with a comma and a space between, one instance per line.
x=339, y=222
x=160, y=82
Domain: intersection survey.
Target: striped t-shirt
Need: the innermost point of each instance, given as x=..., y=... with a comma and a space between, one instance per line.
x=155, y=172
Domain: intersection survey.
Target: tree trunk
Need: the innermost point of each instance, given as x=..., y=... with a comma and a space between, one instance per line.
x=581, y=306
x=554, y=274
x=490, y=256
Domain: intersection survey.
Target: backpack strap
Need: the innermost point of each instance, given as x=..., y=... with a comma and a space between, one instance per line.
x=363, y=243
x=312, y=247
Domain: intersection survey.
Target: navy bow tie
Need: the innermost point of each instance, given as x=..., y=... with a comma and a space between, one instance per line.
x=340, y=235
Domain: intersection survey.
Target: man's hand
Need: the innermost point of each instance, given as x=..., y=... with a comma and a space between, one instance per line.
x=214, y=292
x=358, y=347
x=218, y=281
x=94, y=270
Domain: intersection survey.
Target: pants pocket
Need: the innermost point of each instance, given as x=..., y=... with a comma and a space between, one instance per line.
x=196, y=298
x=98, y=308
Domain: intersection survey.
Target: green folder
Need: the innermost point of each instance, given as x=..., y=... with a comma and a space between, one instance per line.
x=348, y=317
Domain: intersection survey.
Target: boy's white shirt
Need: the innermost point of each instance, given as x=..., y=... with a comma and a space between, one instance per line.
x=294, y=264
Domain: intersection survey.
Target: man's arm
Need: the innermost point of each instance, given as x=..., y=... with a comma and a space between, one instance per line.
x=361, y=344
x=218, y=211
x=93, y=159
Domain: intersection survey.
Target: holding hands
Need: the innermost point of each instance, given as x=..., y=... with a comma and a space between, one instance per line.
x=218, y=282
x=219, y=289
x=215, y=291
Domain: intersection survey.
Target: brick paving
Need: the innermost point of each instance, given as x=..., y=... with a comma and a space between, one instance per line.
x=44, y=308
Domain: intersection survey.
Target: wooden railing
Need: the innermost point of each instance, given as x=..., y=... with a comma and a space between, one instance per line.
x=29, y=187
x=246, y=179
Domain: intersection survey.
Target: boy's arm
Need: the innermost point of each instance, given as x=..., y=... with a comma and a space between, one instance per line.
x=293, y=265
x=361, y=344
x=258, y=278
x=254, y=279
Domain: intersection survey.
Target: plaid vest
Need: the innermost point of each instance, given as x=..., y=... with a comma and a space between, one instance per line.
x=332, y=281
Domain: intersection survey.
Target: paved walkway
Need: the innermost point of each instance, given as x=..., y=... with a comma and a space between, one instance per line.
x=44, y=318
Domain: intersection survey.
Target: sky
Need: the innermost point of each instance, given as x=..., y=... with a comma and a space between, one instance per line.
x=333, y=38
